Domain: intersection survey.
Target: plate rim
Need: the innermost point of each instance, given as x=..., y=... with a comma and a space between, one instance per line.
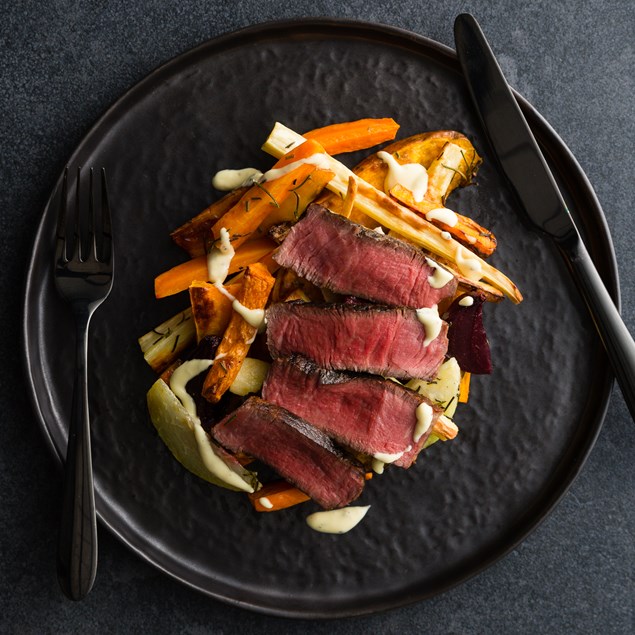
x=305, y=28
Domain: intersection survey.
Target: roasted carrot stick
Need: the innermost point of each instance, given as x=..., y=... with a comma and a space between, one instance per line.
x=180, y=277
x=464, y=387
x=257, y=203
x=275, y=496
x=239, y=334
x=354, y=135
x=279, y=495
x=303, y=194
x=194, y=236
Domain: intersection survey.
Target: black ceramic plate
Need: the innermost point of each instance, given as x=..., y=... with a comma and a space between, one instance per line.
x=524, y=434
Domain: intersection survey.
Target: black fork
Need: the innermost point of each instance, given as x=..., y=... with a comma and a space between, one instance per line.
x=83, y=279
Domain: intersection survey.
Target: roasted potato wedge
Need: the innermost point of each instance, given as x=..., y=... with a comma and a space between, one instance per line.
x=451, y=161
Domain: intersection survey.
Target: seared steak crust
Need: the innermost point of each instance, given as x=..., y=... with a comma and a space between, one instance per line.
x=300, y=453
x=369, y=414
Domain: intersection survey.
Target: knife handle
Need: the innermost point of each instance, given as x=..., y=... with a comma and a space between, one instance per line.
x=617, y=341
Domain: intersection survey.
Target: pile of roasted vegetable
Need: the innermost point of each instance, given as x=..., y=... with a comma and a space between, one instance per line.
x=244, y=228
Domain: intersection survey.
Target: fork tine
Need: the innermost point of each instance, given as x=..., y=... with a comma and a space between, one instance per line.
x=106, y=246
x=77, y=247
x=92, y=243
x=60, y=242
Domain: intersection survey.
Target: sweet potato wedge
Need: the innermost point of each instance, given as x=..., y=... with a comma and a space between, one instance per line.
x=211, y=309
x=451, y=161
x=239, y=334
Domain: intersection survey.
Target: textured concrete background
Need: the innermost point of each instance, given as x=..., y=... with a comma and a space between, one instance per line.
x=63, y=63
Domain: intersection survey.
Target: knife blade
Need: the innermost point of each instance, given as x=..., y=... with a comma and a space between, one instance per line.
x=533, y=184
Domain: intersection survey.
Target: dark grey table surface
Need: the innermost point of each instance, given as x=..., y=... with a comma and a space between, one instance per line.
x=63, y=63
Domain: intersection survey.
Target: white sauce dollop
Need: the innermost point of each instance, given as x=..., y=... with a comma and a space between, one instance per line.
x=319, y=159
x=265, y=502
x=468, y=300
x=424, y=420
x=219, y=258
x=446, y=235
x=179, y=378
x=253, y=317
x=227, y=180
x=431, y=321
x=337, y=521
x=218, y=262
x=383, y=458
x=468, y=264
x=411, y=176
x=443, y=215
x=440, y=277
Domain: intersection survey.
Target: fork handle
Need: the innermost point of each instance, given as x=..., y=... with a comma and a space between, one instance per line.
x=77, y=545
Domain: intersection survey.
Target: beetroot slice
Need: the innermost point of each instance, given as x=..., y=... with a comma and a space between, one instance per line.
x=467, y=338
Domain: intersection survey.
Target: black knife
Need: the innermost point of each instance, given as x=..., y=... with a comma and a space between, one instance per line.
x=531, y=180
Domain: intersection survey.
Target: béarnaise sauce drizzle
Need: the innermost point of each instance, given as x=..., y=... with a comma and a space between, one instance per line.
x=411, y=176
x=337, y=521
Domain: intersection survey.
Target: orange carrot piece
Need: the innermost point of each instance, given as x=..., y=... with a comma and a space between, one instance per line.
x=180, y=277
x=257, y=203
x=281, y=495
x=303, y=193
x=354, y=135
x=277, y=495
x=194, y=236
x=464, y=387
x=238, y=336
x=211, y=309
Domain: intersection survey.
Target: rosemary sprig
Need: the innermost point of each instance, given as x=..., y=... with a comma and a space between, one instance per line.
x=273, y=200
x=297, y=187
x=449, y=403
x=248, y=202
x=449, y=167
x=296, y=211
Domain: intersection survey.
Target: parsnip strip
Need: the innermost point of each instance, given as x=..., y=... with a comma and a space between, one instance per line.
x=239, y=334
x=163, y=344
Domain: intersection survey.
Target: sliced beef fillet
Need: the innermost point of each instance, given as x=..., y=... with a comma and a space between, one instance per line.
x=366, y=413
x=331, y=251
x=300, y=453
x=359, y=337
